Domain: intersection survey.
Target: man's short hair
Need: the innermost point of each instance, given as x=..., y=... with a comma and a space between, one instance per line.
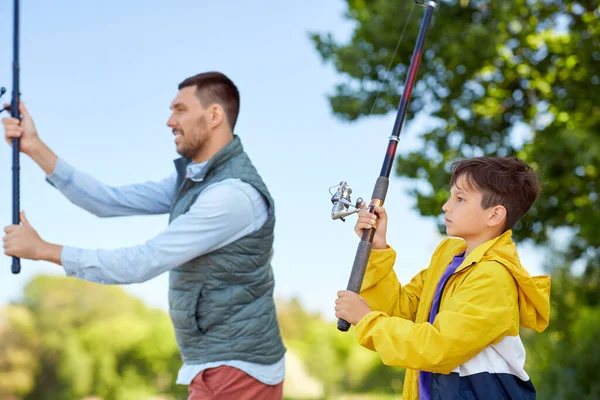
x=215, y=87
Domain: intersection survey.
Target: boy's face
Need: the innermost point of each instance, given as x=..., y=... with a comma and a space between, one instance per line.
x=465, y=218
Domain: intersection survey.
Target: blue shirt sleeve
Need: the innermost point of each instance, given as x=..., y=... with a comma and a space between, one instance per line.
x=104, y=200
x=223, y=213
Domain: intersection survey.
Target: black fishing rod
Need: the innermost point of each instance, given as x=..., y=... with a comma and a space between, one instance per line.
x=16, y=142
x=341, y=198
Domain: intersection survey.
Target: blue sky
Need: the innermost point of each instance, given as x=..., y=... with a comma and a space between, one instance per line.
x=98, y=78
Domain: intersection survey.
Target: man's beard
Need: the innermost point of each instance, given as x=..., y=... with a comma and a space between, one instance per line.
x=191, y=144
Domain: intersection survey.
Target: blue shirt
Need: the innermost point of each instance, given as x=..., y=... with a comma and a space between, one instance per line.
x=424, y=376
x=223, y=213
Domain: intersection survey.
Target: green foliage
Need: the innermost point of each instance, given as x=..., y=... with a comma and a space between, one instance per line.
x=565, y=361
x=499, y=78
x=334, y=357
x=18, y=352
x=130, y=353
x=72, y=339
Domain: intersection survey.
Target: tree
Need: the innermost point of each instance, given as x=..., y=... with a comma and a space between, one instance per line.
x=564, y=361
x=98, y=340
x=18, y=352
x=498, y=78
x=71, y=339
x=332, y=356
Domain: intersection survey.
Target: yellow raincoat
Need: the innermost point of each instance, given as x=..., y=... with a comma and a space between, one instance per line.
x=484, y=301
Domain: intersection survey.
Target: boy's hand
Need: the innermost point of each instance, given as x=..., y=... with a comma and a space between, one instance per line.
x=351, y=307
x=366, y=220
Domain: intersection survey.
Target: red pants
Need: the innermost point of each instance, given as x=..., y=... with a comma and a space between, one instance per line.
x=229, y=383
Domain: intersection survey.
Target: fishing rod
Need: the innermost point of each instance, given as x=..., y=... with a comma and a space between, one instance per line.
x=16, y=142
x=341, y=199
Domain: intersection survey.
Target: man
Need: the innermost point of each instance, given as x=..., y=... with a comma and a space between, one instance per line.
x=217, y=247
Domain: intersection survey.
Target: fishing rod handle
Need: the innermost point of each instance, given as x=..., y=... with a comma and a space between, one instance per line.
x=363, y=252
x=16, y=262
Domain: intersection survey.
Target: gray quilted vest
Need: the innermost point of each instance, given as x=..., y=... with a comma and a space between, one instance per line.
x=221, y=303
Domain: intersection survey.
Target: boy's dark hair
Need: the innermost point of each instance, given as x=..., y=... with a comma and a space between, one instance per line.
x=505, y=181
x=215, y=87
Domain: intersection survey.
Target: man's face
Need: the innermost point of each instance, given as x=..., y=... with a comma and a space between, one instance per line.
x=188, y=121
x=465, y=218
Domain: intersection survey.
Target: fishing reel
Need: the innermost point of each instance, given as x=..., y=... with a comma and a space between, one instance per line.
x=342, y=202
x=2, y=91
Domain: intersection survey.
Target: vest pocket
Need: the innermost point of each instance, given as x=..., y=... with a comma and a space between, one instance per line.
x=182, y=320
x=184, y=311
x=196, y=310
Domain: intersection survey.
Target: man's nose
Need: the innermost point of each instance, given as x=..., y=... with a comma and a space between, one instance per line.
x=172, y=122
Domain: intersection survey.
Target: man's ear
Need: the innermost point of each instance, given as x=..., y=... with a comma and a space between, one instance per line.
x=497, y=216
x=216, y=115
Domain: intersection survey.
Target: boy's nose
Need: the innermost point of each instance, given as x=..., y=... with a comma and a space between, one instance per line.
x=445, y=208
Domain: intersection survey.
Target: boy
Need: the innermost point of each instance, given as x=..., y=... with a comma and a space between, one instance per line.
x=455, y=326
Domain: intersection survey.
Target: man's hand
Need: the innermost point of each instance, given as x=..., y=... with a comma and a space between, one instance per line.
x=351, y=307
x=23, y=129
x=30, y=143
x=23, y=241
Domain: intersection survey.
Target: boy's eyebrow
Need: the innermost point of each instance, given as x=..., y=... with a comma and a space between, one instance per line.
x=459, y=190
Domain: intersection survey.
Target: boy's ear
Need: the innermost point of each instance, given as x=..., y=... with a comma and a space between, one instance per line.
x=497, y=216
